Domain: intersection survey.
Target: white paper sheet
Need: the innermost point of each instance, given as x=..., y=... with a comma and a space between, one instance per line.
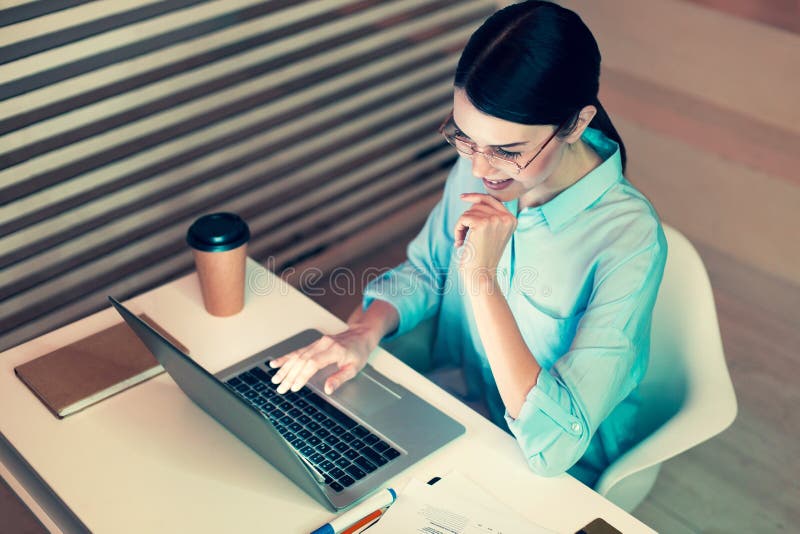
x=454, y=505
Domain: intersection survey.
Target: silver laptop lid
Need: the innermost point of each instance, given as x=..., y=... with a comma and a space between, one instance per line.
x=233, y=413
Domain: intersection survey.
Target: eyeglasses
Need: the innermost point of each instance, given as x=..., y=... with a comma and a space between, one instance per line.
x=497, y=157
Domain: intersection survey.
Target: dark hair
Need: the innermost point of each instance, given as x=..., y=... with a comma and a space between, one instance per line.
x=535, y=63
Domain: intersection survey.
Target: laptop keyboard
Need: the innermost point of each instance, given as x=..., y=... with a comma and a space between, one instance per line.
x=337, y=446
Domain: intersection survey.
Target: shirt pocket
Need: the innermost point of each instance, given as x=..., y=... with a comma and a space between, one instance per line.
x=547, y=335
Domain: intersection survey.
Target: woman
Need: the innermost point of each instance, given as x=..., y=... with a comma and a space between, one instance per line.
x=541, y=260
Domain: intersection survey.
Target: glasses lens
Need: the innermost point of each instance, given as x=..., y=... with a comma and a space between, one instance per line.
x=502, y=162
x=463, y=146
x=467, y=148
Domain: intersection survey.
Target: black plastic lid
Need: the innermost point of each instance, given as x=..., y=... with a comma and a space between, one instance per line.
x=218, y=232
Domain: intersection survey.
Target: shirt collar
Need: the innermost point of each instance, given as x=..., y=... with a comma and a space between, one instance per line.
x=572, y=201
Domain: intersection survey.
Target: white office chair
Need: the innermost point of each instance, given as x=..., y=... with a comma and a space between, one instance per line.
x=687, y=395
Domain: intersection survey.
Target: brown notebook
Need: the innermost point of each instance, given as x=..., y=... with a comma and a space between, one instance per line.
x=85, y=372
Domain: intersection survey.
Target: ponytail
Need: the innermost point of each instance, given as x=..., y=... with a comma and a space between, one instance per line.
x=602, y=122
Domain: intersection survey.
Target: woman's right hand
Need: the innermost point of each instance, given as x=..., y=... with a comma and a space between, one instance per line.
x=349, y=350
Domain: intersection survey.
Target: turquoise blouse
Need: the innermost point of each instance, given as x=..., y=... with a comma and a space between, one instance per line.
x=580, y=274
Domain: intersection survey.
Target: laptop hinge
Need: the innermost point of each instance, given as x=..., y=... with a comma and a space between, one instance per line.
x=310, y=467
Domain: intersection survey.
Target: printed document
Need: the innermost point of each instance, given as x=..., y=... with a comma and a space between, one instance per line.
x=454, y=505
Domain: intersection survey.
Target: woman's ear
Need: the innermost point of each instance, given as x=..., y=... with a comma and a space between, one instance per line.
x=585, y=116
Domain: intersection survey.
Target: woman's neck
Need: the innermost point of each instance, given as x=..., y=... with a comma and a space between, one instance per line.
x=579, y=160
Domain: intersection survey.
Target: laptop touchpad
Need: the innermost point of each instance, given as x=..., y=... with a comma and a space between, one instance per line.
x=363, y=394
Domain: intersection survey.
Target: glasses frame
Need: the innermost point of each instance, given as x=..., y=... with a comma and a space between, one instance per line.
x=490, y=158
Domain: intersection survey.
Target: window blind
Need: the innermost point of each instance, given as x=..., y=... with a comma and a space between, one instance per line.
x=122, y=121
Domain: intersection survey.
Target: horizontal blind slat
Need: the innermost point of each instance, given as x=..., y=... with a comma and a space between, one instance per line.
x=17, y=11
x=46, y=38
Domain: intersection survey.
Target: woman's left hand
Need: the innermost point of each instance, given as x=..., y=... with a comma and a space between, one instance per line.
x=490, y=227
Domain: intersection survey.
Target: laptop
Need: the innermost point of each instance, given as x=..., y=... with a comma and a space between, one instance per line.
x=337, y=448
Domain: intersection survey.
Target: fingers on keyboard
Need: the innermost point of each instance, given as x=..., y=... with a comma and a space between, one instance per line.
x=340, y=448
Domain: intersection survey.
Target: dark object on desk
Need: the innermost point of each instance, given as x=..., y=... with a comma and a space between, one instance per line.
x=87, y=371
x=598, y=526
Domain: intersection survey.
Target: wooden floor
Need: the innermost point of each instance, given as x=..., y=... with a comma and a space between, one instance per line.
x=704, y=94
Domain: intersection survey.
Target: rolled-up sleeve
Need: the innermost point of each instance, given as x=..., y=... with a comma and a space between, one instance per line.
x=605, y=362
x=415, y=287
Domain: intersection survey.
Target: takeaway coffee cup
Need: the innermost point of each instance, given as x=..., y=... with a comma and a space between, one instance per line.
x=219, y=246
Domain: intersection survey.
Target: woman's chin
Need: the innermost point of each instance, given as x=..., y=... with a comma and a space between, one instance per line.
x=503, y=195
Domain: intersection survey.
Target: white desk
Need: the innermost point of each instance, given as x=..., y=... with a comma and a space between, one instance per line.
x=149, y=460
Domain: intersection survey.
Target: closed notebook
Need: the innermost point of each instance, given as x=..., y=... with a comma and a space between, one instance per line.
x=89, y=370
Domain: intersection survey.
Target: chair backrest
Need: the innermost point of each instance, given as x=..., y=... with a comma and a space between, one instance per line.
x=687, y=395
x=687, y=364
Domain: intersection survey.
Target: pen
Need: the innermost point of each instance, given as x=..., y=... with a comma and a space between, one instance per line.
x=380, y=500
x=352, y=529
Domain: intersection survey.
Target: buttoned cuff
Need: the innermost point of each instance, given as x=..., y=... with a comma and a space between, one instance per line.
x=545, y=415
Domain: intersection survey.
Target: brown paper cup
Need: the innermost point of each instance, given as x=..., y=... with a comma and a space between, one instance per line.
x=222, y=279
